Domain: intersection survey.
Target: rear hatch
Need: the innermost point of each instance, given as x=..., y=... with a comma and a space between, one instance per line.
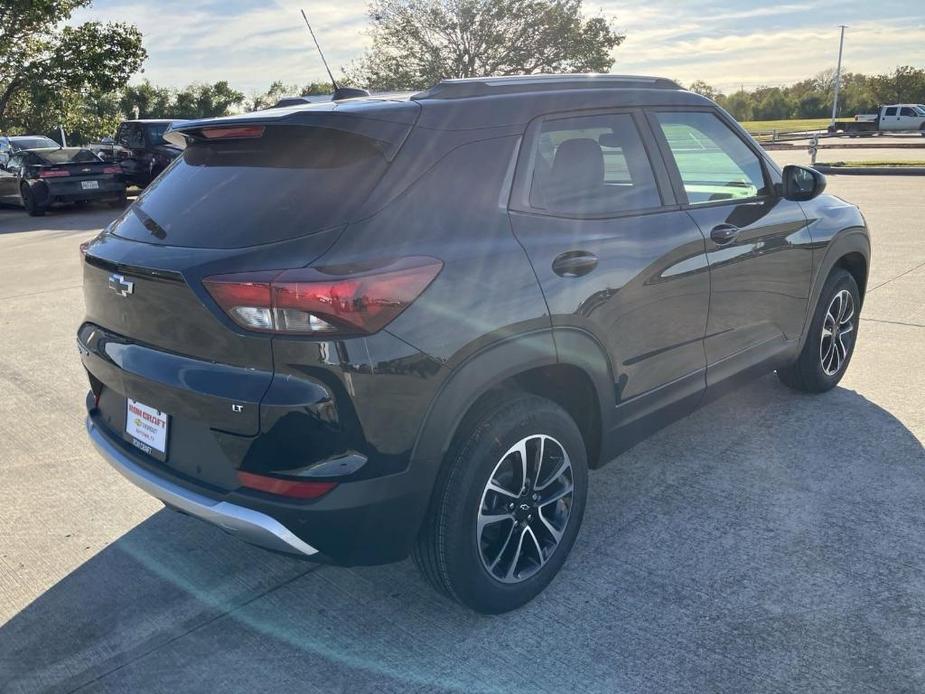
x=74, y=171
x=247, y=194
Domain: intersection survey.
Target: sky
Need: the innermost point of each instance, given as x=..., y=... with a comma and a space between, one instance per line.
x=728, y=44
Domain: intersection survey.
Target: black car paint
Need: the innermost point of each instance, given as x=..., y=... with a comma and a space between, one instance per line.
x=22, y=171
x=636, y=337
x=143, y=160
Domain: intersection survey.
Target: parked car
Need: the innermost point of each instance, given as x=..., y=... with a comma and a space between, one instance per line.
x=893, y=118
x=39, y=178
x=140, y=149
x=360, y=330
x=10, y=145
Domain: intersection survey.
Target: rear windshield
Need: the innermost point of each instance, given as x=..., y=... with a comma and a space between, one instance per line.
x=288, y=183
x=67, y=156
x=33, y=142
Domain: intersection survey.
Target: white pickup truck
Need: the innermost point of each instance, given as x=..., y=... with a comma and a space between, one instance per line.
x=892, y=118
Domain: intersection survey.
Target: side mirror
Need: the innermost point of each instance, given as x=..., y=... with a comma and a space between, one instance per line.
x=801, y=183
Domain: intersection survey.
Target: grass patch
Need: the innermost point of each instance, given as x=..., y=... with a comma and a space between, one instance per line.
x=874, y=162
x=786, y=126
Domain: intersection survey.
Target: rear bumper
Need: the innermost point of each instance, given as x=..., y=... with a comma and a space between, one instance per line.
x=245, y=523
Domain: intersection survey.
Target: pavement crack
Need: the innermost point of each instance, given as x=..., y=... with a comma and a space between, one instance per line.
x=202, y=625
x=901, y=274
x=893, y=322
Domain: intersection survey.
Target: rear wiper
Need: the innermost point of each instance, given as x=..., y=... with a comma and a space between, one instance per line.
x=157, y=231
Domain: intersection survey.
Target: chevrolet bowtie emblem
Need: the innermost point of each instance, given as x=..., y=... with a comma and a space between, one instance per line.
x=120, y=286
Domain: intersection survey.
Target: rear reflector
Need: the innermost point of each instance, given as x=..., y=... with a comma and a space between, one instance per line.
x=240, y=132
x=318, y=301
x=53, y=173
x=295, y=489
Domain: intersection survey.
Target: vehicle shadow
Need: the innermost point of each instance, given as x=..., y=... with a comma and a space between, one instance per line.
x=770, y=542
x=14, y=220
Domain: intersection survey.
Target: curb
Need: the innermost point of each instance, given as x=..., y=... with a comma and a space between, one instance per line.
x=871, y=170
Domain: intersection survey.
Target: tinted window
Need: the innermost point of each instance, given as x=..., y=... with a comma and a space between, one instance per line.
x=156, y=133
x=33, y=142
x=292, y=181
x=592, y=165
x=131, y=135
x=714, y=163
x=907, y=112
x=70, y=155
x=890, y=111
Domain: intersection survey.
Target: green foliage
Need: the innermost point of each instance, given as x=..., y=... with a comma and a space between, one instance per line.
x=416, y=43
x=46, y=67
x=812, y=98
x=279, y=89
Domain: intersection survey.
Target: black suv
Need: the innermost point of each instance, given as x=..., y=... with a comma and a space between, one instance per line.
x=141, y=150
x=381, y=326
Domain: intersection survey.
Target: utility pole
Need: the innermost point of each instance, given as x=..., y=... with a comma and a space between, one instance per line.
x=841, y=48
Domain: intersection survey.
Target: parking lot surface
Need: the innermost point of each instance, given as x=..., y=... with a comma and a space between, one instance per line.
x=769, y=542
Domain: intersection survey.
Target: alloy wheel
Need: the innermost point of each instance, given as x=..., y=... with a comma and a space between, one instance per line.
x=525, y=508
x=837, y=329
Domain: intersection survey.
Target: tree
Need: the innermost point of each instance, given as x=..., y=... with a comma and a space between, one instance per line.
x=416, y=43
x=146, y=101
x=206, y=101
x=41, y=58
x=905, y=84
x=704, y=89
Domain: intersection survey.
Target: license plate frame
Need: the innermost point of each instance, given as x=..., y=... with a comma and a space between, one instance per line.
x=147, y=428
x=89, y=185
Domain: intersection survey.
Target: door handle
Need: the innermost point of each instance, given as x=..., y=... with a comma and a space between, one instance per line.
x=724, y=233
x=574, y=263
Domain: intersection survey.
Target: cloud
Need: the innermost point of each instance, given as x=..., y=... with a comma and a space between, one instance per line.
x=252, y=42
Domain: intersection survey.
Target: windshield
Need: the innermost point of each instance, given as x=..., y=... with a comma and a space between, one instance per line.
x=288, y=183
x=920, y=110
x=70, y=155
x=32, y=142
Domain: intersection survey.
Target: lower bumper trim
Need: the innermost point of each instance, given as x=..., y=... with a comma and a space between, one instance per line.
x=247, y=524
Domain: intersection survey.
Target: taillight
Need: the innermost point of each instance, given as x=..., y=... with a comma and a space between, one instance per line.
x=112, y=170
x=53, y=173
x=319, y=301
x=296, y=489
x=83, y=248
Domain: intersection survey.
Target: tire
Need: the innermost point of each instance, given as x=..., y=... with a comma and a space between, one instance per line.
x=485, y=570
x=824, y=359
x=29, y=202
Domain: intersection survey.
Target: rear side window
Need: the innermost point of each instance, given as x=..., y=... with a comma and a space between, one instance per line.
x=235, y=193
x=890, y=111
x=131, y=135
x=713, y=162
x=592, y=165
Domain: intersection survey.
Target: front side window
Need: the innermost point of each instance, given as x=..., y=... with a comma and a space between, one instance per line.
x=907, y=112
x=592, y=165
x=713, y=162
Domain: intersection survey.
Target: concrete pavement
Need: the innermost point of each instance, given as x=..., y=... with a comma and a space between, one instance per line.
x=770, y=542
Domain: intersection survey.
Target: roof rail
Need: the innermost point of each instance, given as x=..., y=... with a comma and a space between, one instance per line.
x=488, y=86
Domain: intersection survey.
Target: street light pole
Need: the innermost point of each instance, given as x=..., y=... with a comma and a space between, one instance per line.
x=841, y=48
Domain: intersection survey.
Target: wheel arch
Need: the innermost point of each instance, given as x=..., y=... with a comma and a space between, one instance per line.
x=849, y=249
x=568, y=367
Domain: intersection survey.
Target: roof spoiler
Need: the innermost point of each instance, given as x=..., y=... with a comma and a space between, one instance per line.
x=388, y=133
